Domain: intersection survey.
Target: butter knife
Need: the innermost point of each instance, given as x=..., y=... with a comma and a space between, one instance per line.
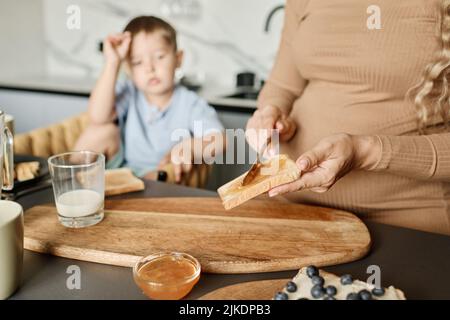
x=253, y=172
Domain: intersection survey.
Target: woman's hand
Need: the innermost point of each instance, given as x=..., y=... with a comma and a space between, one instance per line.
x=182, y=157
x=331, y=159
x=116, y=47
x=264, y=120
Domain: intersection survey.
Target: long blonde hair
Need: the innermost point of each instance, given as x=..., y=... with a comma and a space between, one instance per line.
x=431, y=96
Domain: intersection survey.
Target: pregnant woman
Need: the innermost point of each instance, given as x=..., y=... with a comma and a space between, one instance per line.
x=359, y=93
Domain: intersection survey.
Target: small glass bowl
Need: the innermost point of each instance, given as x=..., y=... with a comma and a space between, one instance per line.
x=167, y=275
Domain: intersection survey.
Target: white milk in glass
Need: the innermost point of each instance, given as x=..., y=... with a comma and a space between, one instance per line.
x=79, y=203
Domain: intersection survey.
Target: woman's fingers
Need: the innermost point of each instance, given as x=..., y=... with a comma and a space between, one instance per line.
x=260, y=126
x=319, y=189
x=307, y=160
x=317, y=180
x=313, y=157
x=320, y=168
x=286, y=128
x=314, y=176
x=286, y=188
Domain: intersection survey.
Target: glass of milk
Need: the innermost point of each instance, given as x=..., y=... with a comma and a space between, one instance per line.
x=78, y=180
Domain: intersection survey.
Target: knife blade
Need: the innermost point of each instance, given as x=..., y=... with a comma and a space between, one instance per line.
x=254, y=170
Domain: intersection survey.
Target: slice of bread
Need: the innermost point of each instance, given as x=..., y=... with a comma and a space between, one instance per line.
x=26, y=170
x=122, y=180
x=273, y=172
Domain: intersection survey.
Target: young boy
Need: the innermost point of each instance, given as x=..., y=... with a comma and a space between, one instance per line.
x=149, y=107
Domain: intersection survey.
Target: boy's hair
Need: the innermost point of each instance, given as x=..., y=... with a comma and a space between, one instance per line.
x=150, y=24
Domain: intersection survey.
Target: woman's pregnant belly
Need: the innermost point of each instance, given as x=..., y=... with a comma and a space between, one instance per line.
x=328, y=108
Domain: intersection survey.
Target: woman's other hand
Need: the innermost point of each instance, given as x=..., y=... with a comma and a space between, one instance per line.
x=331, y=159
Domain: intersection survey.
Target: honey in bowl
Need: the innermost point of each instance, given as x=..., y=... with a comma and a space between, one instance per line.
x=167, y=276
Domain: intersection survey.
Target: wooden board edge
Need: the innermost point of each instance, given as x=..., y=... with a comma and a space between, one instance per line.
x=273, y=284
x=89, y=255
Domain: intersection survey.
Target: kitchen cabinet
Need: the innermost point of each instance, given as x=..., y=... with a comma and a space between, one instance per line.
x=33, y=109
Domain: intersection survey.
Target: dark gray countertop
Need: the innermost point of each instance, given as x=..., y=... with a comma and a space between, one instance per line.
x=216, y=96
x=416, y=262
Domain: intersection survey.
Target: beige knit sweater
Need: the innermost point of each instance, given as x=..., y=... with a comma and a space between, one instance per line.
x=333, y=74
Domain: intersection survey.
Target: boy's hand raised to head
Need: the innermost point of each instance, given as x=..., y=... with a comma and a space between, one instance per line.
x=116, y=47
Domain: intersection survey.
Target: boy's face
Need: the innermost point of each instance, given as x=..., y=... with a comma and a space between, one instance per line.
x=153, y=63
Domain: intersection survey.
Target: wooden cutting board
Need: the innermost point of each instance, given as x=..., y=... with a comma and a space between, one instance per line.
x=259, y=236
x=253, y=290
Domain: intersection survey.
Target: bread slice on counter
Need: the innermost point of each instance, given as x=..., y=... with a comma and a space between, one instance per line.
x=122, y=180
x=312, y=283
x=273, y=172
x=26, y=170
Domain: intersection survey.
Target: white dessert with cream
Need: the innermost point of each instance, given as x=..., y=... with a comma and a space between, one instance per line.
x=311, y=283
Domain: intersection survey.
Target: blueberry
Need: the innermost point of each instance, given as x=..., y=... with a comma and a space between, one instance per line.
x=317, y=291
x=281, y=296
x=365, y=295
x=346, y=279
x=331, y=290
x=329, y=298
x=303, y=298
x=378, y=292
x=291, y=287
x=318, y=280
x=312, y=271
x=353, y=296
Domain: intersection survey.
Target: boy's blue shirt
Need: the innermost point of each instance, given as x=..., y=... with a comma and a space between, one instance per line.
x=148, y=134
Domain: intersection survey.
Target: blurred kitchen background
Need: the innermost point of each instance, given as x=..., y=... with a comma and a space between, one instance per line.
x=48, y=66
